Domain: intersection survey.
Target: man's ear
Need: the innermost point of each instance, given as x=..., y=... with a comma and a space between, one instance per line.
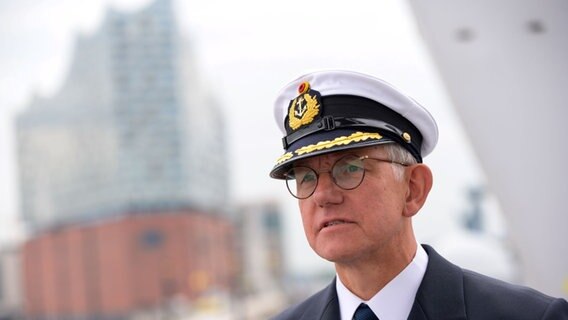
x=419, y=184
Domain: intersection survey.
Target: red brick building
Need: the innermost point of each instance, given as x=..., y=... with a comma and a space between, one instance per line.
x=114, y=267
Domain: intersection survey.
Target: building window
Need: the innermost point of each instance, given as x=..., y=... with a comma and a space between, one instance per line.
x=151, y=239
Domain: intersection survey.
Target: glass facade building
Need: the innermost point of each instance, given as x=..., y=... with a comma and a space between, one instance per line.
x=132, y=129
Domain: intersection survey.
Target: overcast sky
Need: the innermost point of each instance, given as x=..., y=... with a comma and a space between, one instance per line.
x=247, y=50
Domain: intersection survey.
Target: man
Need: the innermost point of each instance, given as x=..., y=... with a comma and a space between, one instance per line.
x=353, y=157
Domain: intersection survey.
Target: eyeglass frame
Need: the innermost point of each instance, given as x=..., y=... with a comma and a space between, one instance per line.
x=317, y=173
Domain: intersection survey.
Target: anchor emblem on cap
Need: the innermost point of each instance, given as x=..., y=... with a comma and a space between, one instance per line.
x=299, y=108
x=304, y=108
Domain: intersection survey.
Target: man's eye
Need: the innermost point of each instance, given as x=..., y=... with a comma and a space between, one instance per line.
x=310, y=177
x=353, y=168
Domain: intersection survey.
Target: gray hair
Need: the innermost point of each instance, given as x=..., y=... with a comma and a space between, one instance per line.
x=397, y=153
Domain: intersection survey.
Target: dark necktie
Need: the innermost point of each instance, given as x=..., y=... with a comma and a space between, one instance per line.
x=363, y=312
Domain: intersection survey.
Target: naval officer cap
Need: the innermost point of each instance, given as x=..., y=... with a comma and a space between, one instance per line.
x=333, y=110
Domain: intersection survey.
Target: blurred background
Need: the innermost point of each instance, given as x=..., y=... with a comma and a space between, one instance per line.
x=136, y=137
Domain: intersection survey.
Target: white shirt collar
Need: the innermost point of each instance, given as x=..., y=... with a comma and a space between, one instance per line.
x=395, y=300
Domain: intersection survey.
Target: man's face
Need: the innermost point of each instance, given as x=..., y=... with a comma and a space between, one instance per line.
x=346, y=226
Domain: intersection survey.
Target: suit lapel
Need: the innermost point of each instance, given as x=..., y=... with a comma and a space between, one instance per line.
x=417, y=313
x=440, y=295
x=326, y=305
x=331, y=310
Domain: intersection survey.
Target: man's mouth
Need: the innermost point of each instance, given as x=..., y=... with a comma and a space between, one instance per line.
x=334, y=223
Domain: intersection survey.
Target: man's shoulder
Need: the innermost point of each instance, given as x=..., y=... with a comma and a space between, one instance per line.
x=449, y=289
x=299, y=309
x=313, y=307
x=479, y=284
x=484, y=294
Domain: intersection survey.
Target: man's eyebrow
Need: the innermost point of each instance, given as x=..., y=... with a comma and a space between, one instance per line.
x=301, y=163
x=336, y=156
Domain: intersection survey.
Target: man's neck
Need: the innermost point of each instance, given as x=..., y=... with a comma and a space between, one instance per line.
x=365, y=278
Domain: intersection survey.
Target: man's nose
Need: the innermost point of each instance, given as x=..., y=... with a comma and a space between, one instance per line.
x=327, y=192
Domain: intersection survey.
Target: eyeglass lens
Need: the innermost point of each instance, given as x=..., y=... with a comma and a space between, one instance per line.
x=347, y=173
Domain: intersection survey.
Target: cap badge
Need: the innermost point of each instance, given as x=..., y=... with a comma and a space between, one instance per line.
x=304, y=108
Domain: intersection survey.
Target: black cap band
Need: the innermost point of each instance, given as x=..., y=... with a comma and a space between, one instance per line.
x=347, y=111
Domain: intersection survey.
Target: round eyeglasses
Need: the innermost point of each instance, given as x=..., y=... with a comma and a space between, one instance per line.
x=347, y=173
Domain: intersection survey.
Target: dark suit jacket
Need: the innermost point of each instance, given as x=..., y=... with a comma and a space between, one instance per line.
x=449, y=292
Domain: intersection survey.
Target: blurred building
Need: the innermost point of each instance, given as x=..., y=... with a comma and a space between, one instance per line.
x=11, y=301
x=261, y=246
x=132, y=129
x=262, y=266
x=505, y=68
x=476, y=244
x=123, y=178
x=135, y=264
